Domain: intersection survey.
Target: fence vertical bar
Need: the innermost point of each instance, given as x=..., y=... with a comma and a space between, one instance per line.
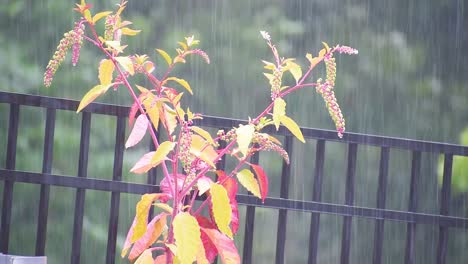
x=115, y=196
x=47, y=158
x=381, y=198
x=413, y=203
x=283, y=213
x=80, y=193
x=316, y=197
x=349, y=200
x=444, y=208
x=249, y=226
x=8, y=185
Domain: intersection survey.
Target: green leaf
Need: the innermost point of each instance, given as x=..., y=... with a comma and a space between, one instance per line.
x=200, y=131
x=293, y=127
x=162, y=152
x=100, y=15
x=166, y=56
x=221, y=208
x=92, y=94
x=182, y=82
x=279, y=110
x=187, y=237
x=106, y=69
x=244, y=137
x=126, y=63
x=247, y=179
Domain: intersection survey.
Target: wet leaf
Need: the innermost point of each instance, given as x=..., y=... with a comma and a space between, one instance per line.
x=92, y=94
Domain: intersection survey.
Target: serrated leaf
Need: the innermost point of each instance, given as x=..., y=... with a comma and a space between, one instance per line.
x=130, y=32
x=162, y=152
x=142, y=210
x=182, y=82
x=221, y=208
x=200, y=131
x=262, y=180
x=293, y=127
x=92, y=94
x=225, y=246
x=127, y=64
x=100, y=15
x=247, y=179
x=166, y=56
x=106, y=69
x=203, y=150
x=231, y=187
x=279, y=110
x=187, y=237
x=244, y=137
x=295, y=70
x=138, y=131
x=145, y=258
x=143, y=165
x=153, y=231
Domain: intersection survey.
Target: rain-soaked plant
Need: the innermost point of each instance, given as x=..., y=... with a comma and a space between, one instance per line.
x=180, y=232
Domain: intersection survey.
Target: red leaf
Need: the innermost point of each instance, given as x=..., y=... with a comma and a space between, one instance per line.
x=138, y=131
x=133, y=111
x=128, y=242
x=153, y=231
x=210, y=249
x=143, y=164
x=231, y=187
x=262, y=180
x=225, y=246
x=165, y=187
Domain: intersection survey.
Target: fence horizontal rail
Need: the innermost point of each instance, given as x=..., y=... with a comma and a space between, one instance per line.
x=218, y=122
x=274, y=203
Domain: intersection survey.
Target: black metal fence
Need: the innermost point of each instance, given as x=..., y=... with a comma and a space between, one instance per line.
x=116, y=186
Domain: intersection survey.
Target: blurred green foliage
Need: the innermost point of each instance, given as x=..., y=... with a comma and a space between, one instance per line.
x=407, y=81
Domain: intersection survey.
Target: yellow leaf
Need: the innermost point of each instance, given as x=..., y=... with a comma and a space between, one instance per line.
x=269, y=76
x=142, y=89
x=182, y=82
x=322, y=53
x=100, y=15
x=130, y=32
x=168, y=117
x=115, y=45
x=161, y=152
x=142, y=210
x=295, y=70
x=244, y=137
x=106, y=68
x=222, y=211
x=279, y=110
x=152, y=108
x=200, y=131
x=269, y=65
x=327, y=48
x=92, y=94
x=179, y=59
x=202, y=149
x=201, y=256
x=187, y=237
x=126, y=63
x=247, y=179
x=183, y=45
x=145, y=258
x=293, y=127
x=164, y=207
x=87, y=16
x=309, y=57
x=166, y=56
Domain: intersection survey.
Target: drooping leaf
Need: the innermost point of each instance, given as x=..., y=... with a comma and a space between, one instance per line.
x=210, y=249
x=182, y=82
x=127, y=64
x=132, y=113
x=138, y=131
x=168, y=118
x=164, y=207
x=142, y=210
x=92, y=94
x=293, y=127
x=269, y=65
x=279, y=110
x=247, y=179
x=166, y=56
x=130, y=32
x=153, y=108
x=153, y=231
x=106, y=68
x=128, y=239
x=225, y=246
x=203, y=185
x=202, y=149
x=221, y=208
x=244, y=137
x=200, y=131
x=187, y=237
x=201, y=257
x=145, y=258
x=143, y=165
x=262, y=179
x=162, y=152
x=327, y=48
x=295, y=70
x=313, y=60
x=231, y=187
x=100, y=15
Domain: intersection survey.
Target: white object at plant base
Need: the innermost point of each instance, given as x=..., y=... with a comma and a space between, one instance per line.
x=10, y=259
